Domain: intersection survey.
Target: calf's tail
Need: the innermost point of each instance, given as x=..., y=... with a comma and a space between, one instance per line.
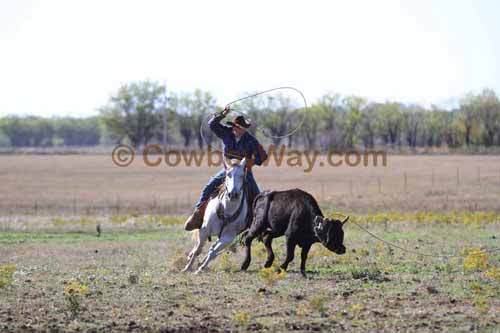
x=268, y=196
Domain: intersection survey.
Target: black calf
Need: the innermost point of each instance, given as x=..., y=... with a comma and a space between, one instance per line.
x=295, y=214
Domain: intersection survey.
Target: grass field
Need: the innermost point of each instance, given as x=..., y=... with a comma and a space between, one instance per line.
x=133, y=282
x=55, y=273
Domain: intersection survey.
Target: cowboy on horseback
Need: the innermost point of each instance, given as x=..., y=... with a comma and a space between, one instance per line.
x=238, y=144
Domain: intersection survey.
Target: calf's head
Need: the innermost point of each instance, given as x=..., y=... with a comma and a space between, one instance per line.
x=330, y=233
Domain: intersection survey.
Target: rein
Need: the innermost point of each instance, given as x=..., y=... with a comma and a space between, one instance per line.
x=220, y=209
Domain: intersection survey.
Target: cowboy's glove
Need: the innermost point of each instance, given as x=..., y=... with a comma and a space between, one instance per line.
x=226, y=110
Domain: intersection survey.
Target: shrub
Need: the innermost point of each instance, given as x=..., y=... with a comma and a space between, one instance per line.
x=271, y=274
x=74, y=291
x=6, y=274
x=476, y=260
x=370, y=273
x=493, y=273
x=242, y=318
x=318, y=304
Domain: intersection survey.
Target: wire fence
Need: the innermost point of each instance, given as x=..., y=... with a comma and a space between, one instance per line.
x=472, y=191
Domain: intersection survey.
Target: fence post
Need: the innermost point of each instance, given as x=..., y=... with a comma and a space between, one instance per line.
x=350, y=186
x=433, y=178
x=322, y=192
x=479, y=175
x=117, y=204
x=153, y=207
x=458, y=176
x=406, y=182
x=379, y=185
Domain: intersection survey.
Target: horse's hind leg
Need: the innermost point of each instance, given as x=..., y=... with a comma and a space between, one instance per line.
x=195, y=252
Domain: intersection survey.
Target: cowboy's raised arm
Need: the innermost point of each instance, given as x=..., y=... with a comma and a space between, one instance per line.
x=259, y=153
x=220, y=130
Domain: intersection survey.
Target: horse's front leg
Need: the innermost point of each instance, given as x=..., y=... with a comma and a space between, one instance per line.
x=215, y=250
x=202, y=237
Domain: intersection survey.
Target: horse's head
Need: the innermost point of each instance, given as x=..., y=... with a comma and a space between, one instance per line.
x=235, y=178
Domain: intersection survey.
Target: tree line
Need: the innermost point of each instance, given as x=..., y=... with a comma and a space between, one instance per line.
x=144, y=112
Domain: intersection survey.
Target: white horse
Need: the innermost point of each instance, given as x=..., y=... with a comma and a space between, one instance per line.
x=232, y=207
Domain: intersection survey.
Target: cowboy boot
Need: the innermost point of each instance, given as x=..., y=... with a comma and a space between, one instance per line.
x=195, y=221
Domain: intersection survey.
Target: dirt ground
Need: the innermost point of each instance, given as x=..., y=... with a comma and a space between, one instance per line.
x=56, y=274
x=86, y=184
x=134, y=283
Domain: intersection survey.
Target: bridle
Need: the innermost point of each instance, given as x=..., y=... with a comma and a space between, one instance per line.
x=220, y=208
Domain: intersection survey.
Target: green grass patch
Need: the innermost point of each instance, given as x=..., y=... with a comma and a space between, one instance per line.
x=11, y=237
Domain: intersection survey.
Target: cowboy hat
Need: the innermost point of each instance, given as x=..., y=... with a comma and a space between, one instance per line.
x=239, y=121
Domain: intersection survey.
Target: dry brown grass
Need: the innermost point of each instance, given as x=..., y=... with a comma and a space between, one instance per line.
x=86, y=184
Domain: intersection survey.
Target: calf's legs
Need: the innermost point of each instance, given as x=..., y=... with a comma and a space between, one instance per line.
x=303, y=258
x=268, y=239
x=248, y=253
x=254, y=231
x=290, y=249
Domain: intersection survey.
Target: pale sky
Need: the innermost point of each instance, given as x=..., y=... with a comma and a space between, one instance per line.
x=67, y=57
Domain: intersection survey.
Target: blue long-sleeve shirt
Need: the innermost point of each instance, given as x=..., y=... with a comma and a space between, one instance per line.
x=247, y=146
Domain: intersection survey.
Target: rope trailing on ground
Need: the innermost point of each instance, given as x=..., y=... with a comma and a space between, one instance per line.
x=415, y=252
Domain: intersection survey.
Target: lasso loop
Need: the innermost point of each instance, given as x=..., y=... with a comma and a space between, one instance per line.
x=294, y=130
